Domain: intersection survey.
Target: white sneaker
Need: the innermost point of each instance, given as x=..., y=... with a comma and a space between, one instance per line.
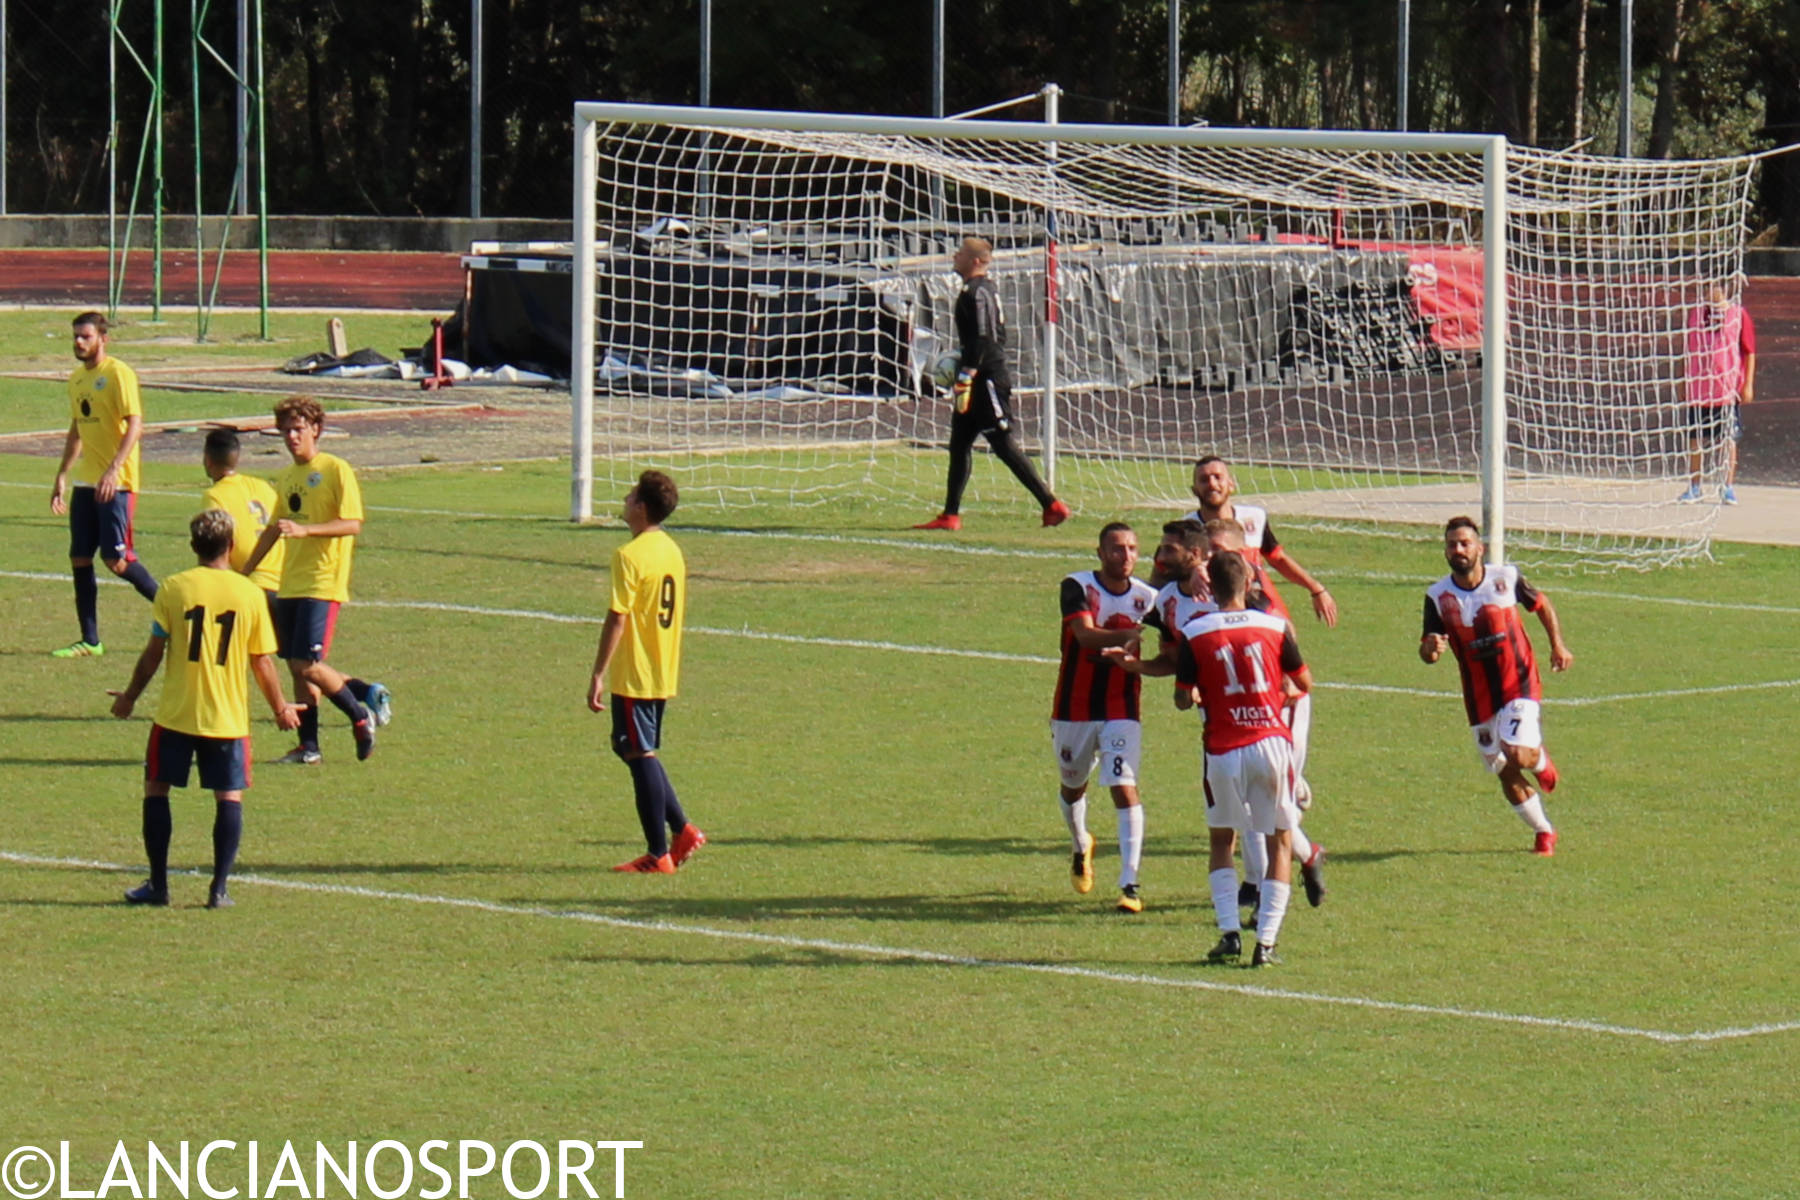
x=300, y=756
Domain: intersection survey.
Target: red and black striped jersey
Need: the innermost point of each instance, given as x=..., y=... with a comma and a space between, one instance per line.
x=1237, y=658
x=1492, y=650
x=1088, y=688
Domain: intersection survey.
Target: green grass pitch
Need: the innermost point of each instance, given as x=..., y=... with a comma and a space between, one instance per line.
x=876, y=980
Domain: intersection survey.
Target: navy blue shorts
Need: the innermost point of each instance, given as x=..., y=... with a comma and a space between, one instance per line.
x=224, y=762
x=105, y=528
x=1716, y=422
x=303, y=628
x=636, y=726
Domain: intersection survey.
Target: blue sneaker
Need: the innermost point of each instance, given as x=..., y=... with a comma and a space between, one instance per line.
x=1690, y=496
x=380, y=703
x=1728, y=496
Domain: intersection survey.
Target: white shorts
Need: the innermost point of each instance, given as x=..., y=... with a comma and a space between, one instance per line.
x=1114, y=744
x=1516, y=724
x=1252, y=787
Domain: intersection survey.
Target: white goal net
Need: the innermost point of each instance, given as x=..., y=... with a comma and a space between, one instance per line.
x=760, y=297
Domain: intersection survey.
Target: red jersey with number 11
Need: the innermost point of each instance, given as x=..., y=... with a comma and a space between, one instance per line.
x=1237, y=658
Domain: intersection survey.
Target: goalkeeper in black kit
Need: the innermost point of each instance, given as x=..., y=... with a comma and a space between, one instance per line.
x=982, y=391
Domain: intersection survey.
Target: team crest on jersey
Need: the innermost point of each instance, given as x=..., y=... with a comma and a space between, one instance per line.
x=100, y=384
x=1485, y=738
x=1139, y=603
x=1068, y=755
x=315, y=479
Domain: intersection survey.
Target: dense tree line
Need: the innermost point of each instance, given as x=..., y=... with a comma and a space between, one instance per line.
x=368, y=101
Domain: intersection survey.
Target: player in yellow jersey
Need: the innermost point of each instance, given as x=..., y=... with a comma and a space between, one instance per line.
x=106, y=419
x=320, y=514
x=251, y=503
x=639, y=663
x=219, y=623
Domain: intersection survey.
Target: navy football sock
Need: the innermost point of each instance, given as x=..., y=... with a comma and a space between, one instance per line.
x=228, y=829
x=359, y=689
x=158, y=825
x=309, y=726
x=651, y=802
x=139, y=577
x=673, y=813
x=87, y=603
x=347, y=702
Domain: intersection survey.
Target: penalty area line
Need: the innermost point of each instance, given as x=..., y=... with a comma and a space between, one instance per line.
x=873, y=950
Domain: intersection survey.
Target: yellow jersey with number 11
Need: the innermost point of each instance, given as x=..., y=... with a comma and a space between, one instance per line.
x=214, y=620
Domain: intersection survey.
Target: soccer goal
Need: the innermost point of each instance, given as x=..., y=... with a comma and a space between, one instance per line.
x=1385, y=327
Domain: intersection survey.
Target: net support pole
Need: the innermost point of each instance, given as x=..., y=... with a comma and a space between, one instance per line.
x=1052, y=94
x=1493, y=350
x=156, y=182
x=262, y=183
x=581, y=362
x=2, y=108
x=477, y=69
x=113, y=265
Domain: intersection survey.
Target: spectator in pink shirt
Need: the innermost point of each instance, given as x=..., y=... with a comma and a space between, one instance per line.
x=1721, y=376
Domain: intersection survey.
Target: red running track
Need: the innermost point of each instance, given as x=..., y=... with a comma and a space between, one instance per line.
x=297, y=279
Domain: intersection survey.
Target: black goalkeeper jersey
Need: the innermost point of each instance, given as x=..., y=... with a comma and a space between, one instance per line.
x=982, y=330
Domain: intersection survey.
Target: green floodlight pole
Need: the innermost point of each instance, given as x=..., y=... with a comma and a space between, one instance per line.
x=150, y=144
x=197, y=14
x=206, y=299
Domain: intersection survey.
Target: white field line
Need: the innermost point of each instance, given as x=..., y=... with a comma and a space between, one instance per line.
x=944, y=546
x=873, y=950
x=760, y=635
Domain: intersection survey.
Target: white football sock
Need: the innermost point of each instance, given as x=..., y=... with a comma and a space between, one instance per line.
x=1224, y=883
x=1532, y=813
x=1075, y=817
x=1131, y=842
x=1274, y=907
x=1300, y=726
x=1303, y=849
x=1256, y=855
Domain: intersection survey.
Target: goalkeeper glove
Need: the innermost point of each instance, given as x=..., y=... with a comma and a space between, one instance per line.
x=963, y=389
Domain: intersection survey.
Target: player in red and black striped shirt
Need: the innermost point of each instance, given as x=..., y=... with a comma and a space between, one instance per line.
x=1094, y=719
x=1474, y=613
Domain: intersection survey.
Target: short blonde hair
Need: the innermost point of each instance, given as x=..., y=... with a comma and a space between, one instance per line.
x=210, y=534
x=980, y=247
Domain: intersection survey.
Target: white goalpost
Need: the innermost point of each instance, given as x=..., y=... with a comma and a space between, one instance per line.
x=1374, y=326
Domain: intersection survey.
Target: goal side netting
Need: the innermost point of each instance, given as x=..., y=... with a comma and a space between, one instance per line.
x=761, y=298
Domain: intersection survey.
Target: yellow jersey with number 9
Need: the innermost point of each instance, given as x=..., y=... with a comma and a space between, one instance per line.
x=251, y=504
x=649, y=588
